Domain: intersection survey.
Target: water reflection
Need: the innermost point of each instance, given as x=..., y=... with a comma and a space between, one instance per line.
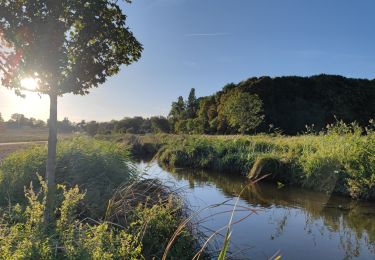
x=301, y=224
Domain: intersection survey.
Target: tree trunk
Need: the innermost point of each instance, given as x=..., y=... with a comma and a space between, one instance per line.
x=51, y=160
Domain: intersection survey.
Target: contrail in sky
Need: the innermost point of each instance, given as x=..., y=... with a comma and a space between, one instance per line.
x=205, y=34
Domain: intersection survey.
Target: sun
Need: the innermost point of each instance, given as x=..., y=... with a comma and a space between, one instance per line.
x=29, y=83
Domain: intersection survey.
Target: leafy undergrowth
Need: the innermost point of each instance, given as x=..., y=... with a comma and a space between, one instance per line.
x=24, y=234
x=340, y=159
x=91, y=176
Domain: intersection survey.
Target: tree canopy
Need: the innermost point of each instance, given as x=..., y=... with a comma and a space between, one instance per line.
x=67, y=45
x=287, y=104
x=58, y=47
x=243, y=112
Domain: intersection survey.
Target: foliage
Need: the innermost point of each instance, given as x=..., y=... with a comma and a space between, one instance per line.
x=288, y=105
x=19, y=121
x=178, y=111
x=191, y=105
x=24, y=235
x=67, y=46
x=134, y=125
x=96, y=166
x=150, y=222
x=162, y=221
x=243, y=112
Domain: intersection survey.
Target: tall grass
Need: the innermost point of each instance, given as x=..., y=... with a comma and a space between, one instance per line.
x=96, y=181
x=340, y=159
x=98, y=167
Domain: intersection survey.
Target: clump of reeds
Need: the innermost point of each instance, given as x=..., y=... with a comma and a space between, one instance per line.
x=143, y=192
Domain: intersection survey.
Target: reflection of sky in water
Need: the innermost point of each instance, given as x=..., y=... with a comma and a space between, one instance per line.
x=301, y=224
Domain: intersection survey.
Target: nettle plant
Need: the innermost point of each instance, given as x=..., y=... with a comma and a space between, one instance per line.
x=57, y=47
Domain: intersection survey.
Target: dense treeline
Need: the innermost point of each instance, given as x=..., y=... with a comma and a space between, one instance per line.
x=283, y=104
x=134, y=125
x=21, y=121
x=130, y=125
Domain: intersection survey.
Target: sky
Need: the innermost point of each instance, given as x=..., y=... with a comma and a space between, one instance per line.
x=206, y=44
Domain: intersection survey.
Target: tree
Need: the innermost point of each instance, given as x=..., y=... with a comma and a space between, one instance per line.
x=91, y=128
x=192, y=104
x=160, y=124
x=65, y=126
x=243, y=111
x=18, y=120
x=178, y=111
x=64, y=46
x=1, y=122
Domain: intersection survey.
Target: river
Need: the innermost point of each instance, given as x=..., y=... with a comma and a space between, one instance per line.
x=291, y=222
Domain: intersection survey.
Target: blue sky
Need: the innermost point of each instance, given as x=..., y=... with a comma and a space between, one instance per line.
x=208, y=43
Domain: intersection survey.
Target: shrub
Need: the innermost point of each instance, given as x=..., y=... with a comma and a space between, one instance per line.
x=24, y=235
x=98, y=167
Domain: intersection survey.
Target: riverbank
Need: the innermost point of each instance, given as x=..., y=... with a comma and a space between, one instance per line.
x=104, y=207
x=340, y=160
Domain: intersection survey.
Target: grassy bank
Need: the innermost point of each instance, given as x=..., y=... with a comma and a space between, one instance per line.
x=104, y=209
x=340, y=160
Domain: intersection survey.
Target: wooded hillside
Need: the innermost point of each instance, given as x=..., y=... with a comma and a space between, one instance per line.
x=288, y=104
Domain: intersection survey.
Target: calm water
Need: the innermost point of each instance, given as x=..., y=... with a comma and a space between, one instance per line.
x=296, y=223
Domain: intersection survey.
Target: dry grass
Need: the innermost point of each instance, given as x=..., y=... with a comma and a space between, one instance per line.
x=145, y=192
x=8, y=135
x=23, y=135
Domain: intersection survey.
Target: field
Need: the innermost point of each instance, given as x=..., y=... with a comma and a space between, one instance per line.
x=13, y=135
x=8, y=135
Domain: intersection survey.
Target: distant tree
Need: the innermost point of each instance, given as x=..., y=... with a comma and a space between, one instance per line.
x=134, y=124
x=1, y=122
x=146, y=126
x=39, y=123
x=106, y=127
x=66, y=47
x=91, y=128
x=192, y=104
x=81, y=126
x=178, y=111
x=160, y=124
x=65, y=126
x=243, y=112
x=206, y=113
x=17, y=120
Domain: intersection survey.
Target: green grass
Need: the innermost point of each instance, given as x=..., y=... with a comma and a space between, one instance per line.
x=98, y=167
x=340, y=160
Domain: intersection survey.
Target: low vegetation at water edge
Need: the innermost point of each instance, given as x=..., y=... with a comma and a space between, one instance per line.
x=97, y=180
x=340, y=159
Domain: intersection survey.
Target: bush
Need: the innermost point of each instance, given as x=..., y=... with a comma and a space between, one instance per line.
x=24, y=235
x=98, y=167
